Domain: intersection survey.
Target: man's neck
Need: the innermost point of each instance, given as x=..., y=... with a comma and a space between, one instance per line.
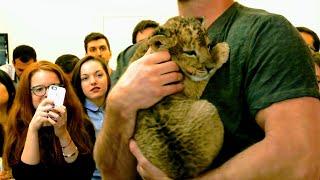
x=209, y=9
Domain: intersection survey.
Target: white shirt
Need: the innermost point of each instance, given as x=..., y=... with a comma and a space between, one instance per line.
x=9, y=69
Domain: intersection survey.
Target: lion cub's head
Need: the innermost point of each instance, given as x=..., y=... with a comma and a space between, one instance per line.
x=187, y=40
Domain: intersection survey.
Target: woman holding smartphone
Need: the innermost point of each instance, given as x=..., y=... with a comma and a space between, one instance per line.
x=45, y=141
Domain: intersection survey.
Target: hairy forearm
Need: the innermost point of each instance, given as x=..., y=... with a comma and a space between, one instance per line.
x=264, y=161
x=111, y=151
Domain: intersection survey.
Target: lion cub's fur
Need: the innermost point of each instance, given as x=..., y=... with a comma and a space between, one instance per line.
x=182, y=134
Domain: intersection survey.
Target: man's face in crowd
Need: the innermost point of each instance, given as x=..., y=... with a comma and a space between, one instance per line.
x=20, y=66
x=99, y=48
x=144, y=34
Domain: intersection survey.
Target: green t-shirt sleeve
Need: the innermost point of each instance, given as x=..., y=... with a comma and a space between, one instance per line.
x=279, y=65
x=122, y=63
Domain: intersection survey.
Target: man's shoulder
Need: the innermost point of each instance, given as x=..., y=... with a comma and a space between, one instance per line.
x=6, y=66
x=241, y=23
x=128, y=52
x=122, y=62
x=259, y=16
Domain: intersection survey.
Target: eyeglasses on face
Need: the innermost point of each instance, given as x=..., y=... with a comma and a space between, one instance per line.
x=40, y=90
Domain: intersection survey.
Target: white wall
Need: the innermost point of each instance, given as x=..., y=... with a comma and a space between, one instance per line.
x=57, y=27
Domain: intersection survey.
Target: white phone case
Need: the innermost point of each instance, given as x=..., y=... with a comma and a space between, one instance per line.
x=56, y=93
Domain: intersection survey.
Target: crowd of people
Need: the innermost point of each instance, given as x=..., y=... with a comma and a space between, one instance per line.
x=55, y=142
x=266, y=94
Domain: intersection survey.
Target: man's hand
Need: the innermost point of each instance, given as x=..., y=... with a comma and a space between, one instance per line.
x=144, y=167
x=145, y=82
x=148, y=79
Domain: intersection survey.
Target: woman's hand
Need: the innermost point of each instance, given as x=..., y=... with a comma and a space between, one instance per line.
x=144, y=167
x=59, y=117
x=41, y=116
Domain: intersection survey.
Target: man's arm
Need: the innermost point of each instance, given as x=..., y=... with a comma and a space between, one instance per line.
x=290, y=149
x=145, y=82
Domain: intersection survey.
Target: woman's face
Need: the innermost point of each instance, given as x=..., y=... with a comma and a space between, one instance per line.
x=40, y=81
x=4, y=96
x=94, y=81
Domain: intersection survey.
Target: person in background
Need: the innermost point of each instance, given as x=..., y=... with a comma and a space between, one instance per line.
x=310, y=37
x=313, y=42
x=266, y=95
x=44, y=141
x=91, y=82
x=67, y=63
x=316, y=58
x=23, y=55
x=141, y=31
x=97, y=45
x=7, y=91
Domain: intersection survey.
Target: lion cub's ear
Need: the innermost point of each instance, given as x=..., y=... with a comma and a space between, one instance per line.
x=201, y=19
x=162, y=40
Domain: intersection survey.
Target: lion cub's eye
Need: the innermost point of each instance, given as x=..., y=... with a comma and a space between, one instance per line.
x=190, y=53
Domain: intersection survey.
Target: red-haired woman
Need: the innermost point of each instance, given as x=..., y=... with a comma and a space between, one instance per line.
x=44, y=141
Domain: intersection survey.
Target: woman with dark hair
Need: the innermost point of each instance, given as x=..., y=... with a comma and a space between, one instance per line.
x=7, y=93
x=44, y=141
x=92, y=82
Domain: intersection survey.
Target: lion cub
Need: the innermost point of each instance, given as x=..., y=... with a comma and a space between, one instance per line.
x=182, y=134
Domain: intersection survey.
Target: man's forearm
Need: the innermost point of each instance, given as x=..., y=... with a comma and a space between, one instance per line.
x=111, y=151
x=263, y=161
x=290, y=149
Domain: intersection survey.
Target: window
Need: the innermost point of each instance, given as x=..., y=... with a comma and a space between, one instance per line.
x=4, y=49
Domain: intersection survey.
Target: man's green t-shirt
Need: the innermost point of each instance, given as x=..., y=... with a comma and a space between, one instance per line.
x=268, y=63
x=122, y=63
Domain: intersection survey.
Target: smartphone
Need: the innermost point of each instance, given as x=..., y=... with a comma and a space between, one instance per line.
x=56, y=93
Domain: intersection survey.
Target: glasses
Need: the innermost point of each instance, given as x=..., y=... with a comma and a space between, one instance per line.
x=41, y=90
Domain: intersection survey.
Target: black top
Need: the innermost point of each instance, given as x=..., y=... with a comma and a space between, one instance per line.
x=81, y=168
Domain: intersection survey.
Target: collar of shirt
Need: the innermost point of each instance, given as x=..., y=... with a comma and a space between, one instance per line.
x=91, y=106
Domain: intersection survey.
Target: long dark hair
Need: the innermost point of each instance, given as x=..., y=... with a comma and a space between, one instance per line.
x=8, y=83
